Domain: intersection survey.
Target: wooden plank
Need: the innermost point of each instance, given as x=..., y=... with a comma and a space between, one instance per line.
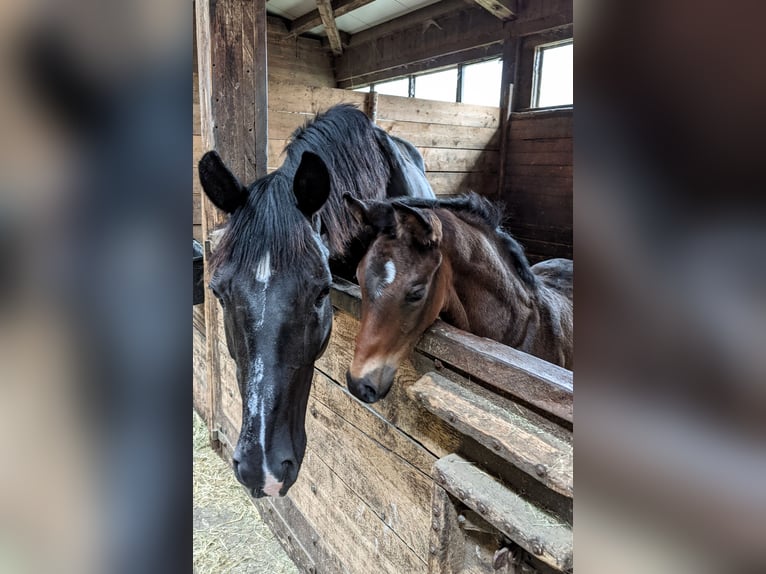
x=539, y=158
x=535, y=381
x=503, y=9
x=283, y=124
x=443, y=135
x=446, y=159
x=542, y=145
x=261, y=79
x=456, y=183
x=500, y=429
x=288, y=97
x=398, y=108
x=331, y=29
x=282, y=528
x=541, y=129
x=314, y=18
x=541, y=534
x=393, y=490
x=247, y=90
x=336, y=397
x=446, y=542
x=560, y=174
x=349, y=527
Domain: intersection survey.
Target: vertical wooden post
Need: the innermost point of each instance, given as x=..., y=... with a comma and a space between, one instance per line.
x=205, y=17
x=372, y=106
x=260, y=65
x=508, y=88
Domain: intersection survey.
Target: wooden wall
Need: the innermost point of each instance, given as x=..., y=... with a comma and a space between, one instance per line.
x=459, y=142
x=538, y=182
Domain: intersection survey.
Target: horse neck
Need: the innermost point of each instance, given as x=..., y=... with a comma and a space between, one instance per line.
x=484, y=294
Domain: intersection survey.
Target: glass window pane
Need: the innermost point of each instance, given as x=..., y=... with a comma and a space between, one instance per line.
x=440, y=86
x=399, y=87
x=481, y=83
x=362, y=89
x=555, y=74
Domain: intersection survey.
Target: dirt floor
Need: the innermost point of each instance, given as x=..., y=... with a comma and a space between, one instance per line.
x=229, y=536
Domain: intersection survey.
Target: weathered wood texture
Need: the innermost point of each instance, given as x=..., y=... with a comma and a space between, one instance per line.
x=447, y=31
x=495, y=425
x=538, y=184
x=199, y=363
x=542, y=535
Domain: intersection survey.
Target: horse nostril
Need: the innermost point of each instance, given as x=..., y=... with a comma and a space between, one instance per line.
x=370, y=395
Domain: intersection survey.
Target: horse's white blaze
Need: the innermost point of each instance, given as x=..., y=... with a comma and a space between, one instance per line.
x=263, y=274
x=257, y=403
x=389, y=274
x=263, y=269
x=390, y=270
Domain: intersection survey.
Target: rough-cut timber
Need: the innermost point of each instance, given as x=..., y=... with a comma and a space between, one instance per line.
x=535, y=381
x=498, y=427
x=503, y=9
x=541, y=534
x=331, y=29
x=314, y=18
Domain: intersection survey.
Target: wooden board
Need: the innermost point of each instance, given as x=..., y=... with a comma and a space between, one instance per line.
x=432, y=112
x=541, y=534
x=501, y=429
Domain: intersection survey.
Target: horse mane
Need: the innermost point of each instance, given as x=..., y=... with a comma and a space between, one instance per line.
x=479, y=211
x=344, y=137
x=270, y=222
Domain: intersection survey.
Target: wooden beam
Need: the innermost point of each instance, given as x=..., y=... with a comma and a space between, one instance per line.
x=314, y=18
x=503, y=9
x=260, y=66
x=325, y=11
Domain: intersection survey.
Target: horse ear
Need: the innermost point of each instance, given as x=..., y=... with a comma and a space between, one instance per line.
x=379, y=215
x=220, y=185
x=357, y=208
x=424, y=227
x=311, y=184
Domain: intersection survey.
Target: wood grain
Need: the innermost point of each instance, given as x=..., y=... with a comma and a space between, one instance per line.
x=541, y=534
x=500, y=429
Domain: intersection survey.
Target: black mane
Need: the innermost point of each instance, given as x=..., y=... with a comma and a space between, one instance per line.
x=270, y=222
x=477, y=210
x=344, y=138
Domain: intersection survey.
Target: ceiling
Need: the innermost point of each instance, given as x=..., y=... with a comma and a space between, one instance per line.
x=367, y=16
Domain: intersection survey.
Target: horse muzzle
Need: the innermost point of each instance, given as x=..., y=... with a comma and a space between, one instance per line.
x=373, y=386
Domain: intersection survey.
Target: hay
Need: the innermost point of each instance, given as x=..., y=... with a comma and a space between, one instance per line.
x=229, y=535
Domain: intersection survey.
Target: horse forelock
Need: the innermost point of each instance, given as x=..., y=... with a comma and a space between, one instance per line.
x=269, y=226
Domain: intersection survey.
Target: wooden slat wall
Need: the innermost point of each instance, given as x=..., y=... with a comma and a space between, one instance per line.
x=538, y=183
x=459, y=142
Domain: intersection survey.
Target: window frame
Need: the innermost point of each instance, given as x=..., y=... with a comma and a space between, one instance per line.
x=537, y=65
x=413, y=78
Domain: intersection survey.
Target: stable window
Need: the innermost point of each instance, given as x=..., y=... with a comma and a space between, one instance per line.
x=553, y=75
x=398, y=87
x=440, y=86
x=481, y=83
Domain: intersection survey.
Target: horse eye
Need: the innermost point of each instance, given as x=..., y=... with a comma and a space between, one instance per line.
x=322, y=294
x=415, y=295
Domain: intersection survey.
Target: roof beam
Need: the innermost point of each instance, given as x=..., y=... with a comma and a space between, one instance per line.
x=314, y=18
x=325, y=11
x=503, y=9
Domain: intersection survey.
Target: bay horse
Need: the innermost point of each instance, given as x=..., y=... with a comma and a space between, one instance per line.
x=451, y=258
x=271, y=273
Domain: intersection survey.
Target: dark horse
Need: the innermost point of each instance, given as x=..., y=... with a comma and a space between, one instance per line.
x=272, y=273
x=451, y=258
